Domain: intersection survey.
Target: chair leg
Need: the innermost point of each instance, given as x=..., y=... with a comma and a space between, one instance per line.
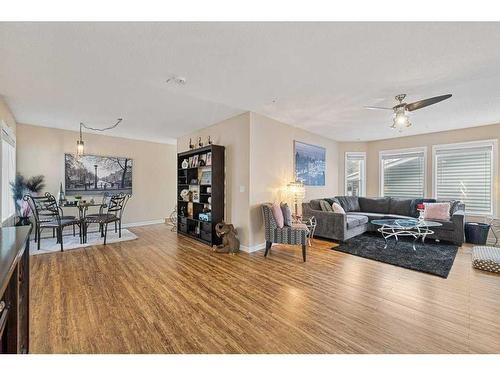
x=53, y=232
x=61, y=238
x=268, y=247
x=116, y=227
x=73, y=230
x=120, y=228
x=36, y=232
x=105, y=232
x=39, y=240
x=304, y=248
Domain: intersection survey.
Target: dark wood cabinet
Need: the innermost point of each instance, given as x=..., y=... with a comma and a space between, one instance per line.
x=203, y=207
x=14, y=289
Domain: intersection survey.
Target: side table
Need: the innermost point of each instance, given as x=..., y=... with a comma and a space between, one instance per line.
x=311, y=223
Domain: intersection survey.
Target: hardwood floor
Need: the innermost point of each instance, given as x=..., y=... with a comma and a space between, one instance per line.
x=168, y=294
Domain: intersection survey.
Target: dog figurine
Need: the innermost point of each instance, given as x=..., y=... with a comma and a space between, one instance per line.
x=230, y=243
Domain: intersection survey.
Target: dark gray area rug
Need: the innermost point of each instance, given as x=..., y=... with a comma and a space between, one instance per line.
x=431, y=257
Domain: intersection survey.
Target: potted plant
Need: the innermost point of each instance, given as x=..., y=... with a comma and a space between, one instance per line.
x=20, y=187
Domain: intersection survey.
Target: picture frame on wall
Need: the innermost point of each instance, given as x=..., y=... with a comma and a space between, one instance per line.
x=309, y=163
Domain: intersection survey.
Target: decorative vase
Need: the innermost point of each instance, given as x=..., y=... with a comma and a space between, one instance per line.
x=184, y=164
x=421, y=215
x=23, y=220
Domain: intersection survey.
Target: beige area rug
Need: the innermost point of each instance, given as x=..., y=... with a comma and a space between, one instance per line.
x=49, y=245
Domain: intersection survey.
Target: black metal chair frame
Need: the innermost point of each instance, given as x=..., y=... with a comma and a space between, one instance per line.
x=48, y=214
x=114, y=213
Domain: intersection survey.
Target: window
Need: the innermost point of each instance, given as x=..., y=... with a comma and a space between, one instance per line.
x=8, y=176
x=355, y=180
x=466, y=172
x=402, y=173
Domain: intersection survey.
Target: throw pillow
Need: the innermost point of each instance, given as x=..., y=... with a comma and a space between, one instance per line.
x=287, y=215
x=325, y=206
x=278, y=215
x=337, y=208
x=437, y=211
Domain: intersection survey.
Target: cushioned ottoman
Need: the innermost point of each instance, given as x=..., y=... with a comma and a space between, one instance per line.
x=486, y=258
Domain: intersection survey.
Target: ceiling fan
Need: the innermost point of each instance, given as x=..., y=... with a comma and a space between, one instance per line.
x=401, y=110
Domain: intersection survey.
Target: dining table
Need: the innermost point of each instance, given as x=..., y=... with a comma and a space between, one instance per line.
x=83, y=208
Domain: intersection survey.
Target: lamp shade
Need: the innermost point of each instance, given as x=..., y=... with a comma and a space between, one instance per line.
x=297, y=189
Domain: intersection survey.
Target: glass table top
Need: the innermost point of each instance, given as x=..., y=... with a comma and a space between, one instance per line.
x=406, y=223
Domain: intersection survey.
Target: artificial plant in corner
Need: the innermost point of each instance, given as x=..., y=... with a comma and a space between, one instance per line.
x=22, y=186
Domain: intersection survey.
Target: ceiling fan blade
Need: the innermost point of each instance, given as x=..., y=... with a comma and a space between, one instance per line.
x=426, y=102
x=377, y=108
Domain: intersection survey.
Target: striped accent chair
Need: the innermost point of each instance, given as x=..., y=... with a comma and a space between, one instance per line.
x=294, y=235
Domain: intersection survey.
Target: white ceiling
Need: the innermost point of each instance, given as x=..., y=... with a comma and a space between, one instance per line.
x=316, y=76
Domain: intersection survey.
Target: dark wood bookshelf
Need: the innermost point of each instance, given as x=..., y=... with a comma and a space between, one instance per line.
x=189, y=223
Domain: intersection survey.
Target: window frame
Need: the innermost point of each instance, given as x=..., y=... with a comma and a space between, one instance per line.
x=464, y=146
x=395, y=152
x=7, y=136
x=363, y=172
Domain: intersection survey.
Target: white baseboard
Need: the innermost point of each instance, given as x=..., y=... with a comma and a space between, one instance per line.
x=251, y=249
x=143, y=223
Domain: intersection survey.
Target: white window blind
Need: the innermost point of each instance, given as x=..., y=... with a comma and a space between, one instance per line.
x=8, y=176
x=465, y=173
x=355, y=173
x=403, y=174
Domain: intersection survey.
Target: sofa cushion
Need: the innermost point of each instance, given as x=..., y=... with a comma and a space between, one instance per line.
x=325, y=206
x=414, y=211
x=437, y=211
x=287, y=214
x=374, y=216
x=337, y=208
x=349, y=204
x=354, y=221
x=314, y=204
x=278, y=215
x=400, y=206
x=332, y=201
x=376, y=205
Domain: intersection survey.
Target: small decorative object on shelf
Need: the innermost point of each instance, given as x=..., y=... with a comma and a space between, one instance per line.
x=191, y=146
x=209, y=141
x=203, y=160
x=205, y=216
x=195, y=193
x=60, y=195
x=230, y=243
x=209, y=158
x=420, y=209
x=200, y=143
x=185, y=164
x=185, y=195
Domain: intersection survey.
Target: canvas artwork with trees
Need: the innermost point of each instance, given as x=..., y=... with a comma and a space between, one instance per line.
x=93, y=174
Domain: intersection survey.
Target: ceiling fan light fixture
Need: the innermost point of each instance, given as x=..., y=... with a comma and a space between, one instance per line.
x=401, y=120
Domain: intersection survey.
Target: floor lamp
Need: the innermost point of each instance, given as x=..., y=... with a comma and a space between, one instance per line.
x=298, y=191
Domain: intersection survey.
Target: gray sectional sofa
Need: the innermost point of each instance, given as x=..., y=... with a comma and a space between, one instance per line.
x=361, y=211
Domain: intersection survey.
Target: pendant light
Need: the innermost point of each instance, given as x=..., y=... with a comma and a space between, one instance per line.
x=80, y=145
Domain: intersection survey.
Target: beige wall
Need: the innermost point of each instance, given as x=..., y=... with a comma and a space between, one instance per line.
x=428, y=140
x=6, y=115
x=259, y=164
x=272, y=167
x=41, y=150
x=234, y=135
